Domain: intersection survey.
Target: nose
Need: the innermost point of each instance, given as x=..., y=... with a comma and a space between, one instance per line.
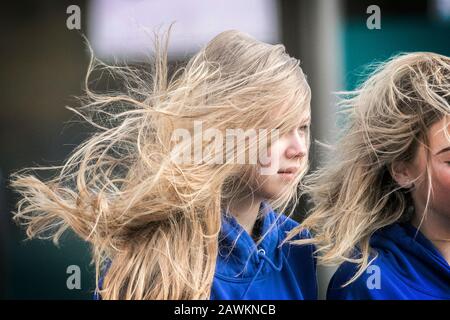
x=297, y=147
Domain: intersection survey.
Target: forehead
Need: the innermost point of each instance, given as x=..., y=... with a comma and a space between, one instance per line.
x=300, y=113
x=439, y=134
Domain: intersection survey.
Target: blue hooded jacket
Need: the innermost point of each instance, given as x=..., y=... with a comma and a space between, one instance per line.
x=269, y=272
x=408, y=267
x=245, y=271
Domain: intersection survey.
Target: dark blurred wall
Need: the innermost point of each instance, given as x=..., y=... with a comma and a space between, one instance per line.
x=42, y=68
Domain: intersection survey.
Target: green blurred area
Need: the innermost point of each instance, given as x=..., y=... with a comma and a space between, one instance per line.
x=40, y=270
x=363, y=47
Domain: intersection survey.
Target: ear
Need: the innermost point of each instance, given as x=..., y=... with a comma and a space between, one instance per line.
x=401, y=174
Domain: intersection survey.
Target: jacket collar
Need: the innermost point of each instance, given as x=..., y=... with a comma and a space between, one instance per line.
x=239, y=256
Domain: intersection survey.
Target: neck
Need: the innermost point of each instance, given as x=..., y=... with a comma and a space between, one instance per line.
x=436, y=228
x=246, y=212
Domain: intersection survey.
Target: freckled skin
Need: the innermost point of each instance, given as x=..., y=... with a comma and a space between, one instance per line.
x=435, y=223
x=440, y=173
x=441, y=186
x=292, y=151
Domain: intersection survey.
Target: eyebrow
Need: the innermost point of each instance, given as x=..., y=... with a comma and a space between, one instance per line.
x=443, y=150
x=306, y=120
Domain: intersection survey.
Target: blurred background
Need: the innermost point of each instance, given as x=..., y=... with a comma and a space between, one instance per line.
x=44, y=59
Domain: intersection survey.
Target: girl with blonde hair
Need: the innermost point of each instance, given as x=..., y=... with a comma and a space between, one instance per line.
x=382, y=205
x=172, y=207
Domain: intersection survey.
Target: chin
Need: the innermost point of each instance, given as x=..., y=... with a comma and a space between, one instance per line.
x=274, y=194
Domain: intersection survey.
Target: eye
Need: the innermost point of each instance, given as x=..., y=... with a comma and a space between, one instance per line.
x=303, y=128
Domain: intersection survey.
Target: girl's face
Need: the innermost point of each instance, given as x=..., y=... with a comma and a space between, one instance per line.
x=291, y=152
x=439, y=166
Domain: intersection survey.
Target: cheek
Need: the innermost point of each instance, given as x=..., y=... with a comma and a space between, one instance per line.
x=274, y=153
x=441, y=188
x=269, y=186
x=273, y=188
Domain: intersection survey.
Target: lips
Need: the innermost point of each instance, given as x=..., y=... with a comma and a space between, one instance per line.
x=290, y=170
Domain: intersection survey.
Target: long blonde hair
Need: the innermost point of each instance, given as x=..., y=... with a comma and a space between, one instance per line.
x=155, y=219
x=354, y=194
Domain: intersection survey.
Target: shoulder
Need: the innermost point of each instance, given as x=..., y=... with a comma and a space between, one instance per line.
x=353, y=291
x=370, y=285
x=287, y=224
x=294, y=250
x=379, y=281
x=299, y=257
x=104, y=270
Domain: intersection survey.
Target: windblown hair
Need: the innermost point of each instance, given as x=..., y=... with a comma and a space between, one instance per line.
x=354, y=194
x=122, y=190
